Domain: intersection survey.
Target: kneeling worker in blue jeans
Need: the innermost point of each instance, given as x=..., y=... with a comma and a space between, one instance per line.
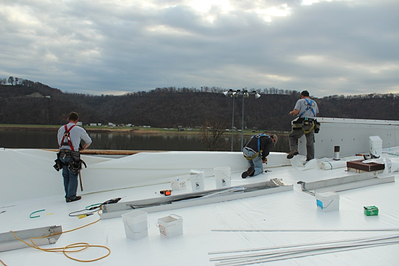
x=255, y=151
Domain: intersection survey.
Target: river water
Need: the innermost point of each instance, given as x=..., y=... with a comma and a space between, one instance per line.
x=123, y=141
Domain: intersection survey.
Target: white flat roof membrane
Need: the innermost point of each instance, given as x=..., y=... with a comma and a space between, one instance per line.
x=28, y=184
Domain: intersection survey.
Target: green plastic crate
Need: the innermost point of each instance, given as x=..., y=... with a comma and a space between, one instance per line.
x=370, y=210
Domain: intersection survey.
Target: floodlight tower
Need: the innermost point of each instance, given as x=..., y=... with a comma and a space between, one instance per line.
x=245, y=94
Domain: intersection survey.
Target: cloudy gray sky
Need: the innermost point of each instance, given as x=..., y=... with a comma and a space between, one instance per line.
x=98, y=47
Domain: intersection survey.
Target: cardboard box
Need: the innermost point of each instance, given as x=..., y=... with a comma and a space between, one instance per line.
x=367, y=167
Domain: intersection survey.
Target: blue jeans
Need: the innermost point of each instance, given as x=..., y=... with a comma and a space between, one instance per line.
x=70, y=179
x=256, y=163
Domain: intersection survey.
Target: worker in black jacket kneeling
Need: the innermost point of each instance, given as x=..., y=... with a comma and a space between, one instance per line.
x=255, y=151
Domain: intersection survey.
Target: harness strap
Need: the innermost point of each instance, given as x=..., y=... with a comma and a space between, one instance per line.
x=308, y=106
x=259, y=153
x=250, y=158
x=259, y=136
x=307, y=131
x=67, y=136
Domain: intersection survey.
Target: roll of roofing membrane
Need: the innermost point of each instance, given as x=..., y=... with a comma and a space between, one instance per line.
x=329, y=165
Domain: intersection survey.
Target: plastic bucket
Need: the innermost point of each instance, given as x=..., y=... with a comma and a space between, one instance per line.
x=170, y=226
x=327, y=201
x=135, y=223
x=222, y=176
x=179, y=184
x=197, y=180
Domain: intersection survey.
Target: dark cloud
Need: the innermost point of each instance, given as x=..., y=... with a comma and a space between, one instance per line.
x=113, y=47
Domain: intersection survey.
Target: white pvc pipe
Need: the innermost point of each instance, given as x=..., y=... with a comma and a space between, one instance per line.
x=291, y=252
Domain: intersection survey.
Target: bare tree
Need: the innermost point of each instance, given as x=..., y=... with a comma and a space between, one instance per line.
x=211, y=133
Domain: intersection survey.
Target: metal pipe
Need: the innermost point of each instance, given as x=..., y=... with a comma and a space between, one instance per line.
x=232, y=126
x=336, y=153
x=242, y=123
x=303, y=250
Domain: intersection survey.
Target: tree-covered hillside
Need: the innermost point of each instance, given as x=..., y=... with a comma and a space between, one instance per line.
x=36, y=103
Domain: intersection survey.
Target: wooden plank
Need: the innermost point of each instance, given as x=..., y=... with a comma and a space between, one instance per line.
x=368, y=167
x=107, y=152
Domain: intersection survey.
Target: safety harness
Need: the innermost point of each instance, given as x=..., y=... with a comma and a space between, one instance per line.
x=259, y=153
x=66, y=139
x=308, y=106
x=75, y=164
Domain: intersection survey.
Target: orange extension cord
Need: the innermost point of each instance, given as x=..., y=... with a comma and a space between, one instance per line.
x=71, y=248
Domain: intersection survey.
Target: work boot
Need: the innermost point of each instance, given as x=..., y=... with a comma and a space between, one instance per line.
x=292, y=154
x=249, y=172
x=307, y=160
x=75, y=199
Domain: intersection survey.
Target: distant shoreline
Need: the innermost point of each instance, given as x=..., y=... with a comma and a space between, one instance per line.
x=95, y=129
x=123, y=130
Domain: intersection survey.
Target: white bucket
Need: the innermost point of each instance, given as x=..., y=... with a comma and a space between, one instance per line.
x=179, y=184
x=222, y=176
x=170, y=226
x=197, y=180
x=327, y=201
x=135, y=223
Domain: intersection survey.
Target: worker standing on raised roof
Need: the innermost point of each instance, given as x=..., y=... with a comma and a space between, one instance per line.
x=306, y=109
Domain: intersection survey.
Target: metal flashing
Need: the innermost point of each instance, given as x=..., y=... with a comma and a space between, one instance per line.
x=345, y=183
x=42, y=236
x=195, y=199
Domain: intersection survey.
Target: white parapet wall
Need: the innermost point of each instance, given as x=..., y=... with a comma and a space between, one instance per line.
x=26, y=173
x=352, y=135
